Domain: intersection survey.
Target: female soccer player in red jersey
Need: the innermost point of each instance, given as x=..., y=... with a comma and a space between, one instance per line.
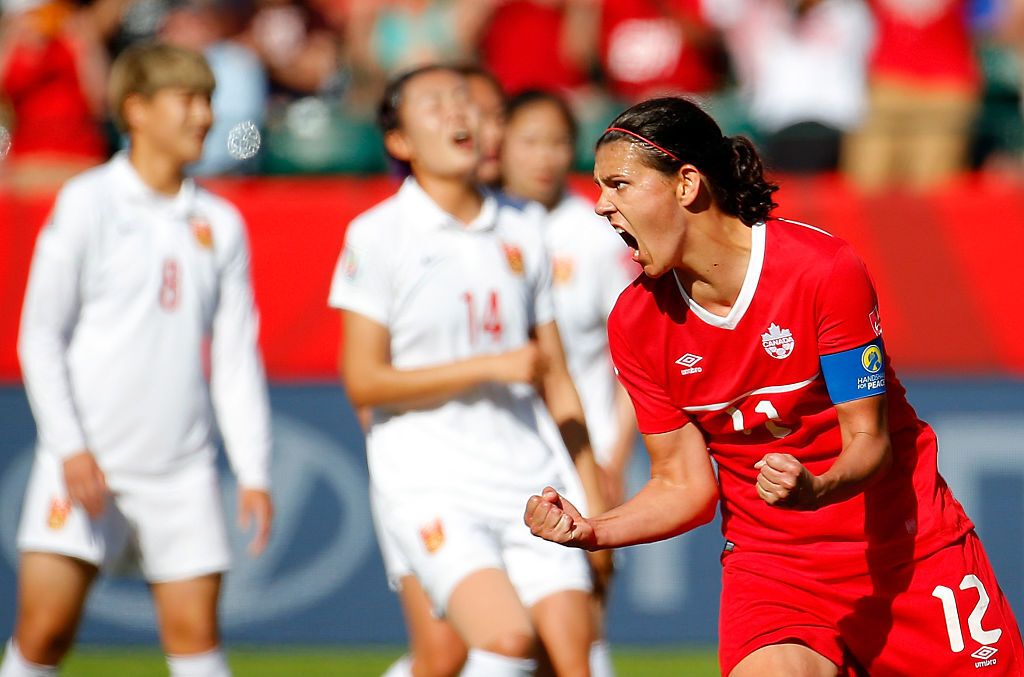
x=756, y=342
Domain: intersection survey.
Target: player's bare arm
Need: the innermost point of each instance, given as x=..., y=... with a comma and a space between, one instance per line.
x=867, y=453
x=566, y=410
x=371, y=380
x=87, y=486
x=681, y=495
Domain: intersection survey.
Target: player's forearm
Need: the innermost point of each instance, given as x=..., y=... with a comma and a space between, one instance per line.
x=660, y=510
x=564, y=405
x=386, y=386
x=863, y=460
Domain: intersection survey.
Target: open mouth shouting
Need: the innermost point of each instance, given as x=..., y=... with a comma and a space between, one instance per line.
x=629, y=240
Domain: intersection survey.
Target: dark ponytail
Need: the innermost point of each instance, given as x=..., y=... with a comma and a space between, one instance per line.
x=672, y=131
x=744, y=192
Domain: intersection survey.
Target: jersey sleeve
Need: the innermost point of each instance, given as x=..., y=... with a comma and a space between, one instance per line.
x=238, y=384
x=847, y=306
x=49, y=315
x=655, y=412
x=850, y=344
x=360, y=283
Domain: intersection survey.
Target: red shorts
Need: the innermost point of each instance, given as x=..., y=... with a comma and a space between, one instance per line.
x=941, y=615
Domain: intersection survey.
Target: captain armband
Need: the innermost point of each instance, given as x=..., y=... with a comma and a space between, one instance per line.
x=855, y=374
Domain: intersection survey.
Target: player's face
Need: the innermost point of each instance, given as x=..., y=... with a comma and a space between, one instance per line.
x=642, y=205
x=491, y=107
x=439, y=126
x=538, y=153
x=173, y=121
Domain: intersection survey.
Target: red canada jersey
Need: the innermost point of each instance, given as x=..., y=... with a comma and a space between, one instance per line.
x=753, y=383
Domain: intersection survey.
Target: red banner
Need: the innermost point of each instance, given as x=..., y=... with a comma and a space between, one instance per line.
x=947, y=265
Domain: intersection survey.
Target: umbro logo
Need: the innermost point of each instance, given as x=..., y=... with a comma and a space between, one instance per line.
x=985, y=657
x=689, y=363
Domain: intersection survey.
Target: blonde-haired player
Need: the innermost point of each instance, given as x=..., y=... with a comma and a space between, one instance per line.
x=135, y=271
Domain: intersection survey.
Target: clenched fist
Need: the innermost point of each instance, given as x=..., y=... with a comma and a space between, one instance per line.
x=555, y=519
x=784, y=482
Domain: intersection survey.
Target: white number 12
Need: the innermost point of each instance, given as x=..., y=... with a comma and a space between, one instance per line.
x=956, y=635
x=763, y=407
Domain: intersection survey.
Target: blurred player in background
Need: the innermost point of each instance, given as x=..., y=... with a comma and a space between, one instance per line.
x=758, y=340
x=135, y=271
x=487, y=95
x=436, y=649
x=449, y=335
x=589, y=271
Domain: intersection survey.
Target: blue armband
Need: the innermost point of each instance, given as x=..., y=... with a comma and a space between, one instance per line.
x=855, y=374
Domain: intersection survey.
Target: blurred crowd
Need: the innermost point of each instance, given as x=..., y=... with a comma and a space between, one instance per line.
x=888, y=92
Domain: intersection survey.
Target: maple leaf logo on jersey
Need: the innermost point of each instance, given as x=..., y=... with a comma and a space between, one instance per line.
x=202, y=232
x=561, y=270
x=433, y=536
x=778, y=342
x=60, y=508
x=514, y=256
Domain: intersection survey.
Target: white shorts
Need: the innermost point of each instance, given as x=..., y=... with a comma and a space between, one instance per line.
x=169, y=528
x=395, y=565
x=441, y=547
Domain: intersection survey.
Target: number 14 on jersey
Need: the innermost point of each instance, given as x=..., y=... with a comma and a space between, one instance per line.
x=484, y=316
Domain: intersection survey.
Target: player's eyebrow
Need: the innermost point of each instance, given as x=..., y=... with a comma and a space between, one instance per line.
x=606, y=179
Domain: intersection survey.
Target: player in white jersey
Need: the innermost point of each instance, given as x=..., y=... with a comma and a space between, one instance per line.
x=589, y=268
x=589, y=271
x=135, y=271
x=448, y=323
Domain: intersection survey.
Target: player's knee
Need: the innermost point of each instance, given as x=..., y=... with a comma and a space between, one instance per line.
x=514, y=644
x=187, y=634
x=441, y=662
x=44, y=638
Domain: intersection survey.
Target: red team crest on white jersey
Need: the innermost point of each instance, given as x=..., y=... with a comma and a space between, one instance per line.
x=778, y=342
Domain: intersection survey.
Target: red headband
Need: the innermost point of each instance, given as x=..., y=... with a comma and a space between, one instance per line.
x=647, y=141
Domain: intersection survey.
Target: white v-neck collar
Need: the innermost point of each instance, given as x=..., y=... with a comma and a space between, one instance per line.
x=739, y=309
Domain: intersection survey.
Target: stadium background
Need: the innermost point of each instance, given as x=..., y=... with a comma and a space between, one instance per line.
x=946, y=260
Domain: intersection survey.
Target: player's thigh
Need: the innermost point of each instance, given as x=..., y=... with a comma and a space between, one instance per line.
x=52, y=590
x=486, y=612
x=180, y=526
x=186, y=613
x=436, y=648
x=951, y=618
x=564, y=624
x=785, y=660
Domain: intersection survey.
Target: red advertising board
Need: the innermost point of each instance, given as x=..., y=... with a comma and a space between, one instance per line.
x=947, y=265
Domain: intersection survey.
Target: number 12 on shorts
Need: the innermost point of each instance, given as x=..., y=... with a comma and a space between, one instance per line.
x=949, y=609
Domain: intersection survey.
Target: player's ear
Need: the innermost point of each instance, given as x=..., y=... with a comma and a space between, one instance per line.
x=133, y=111
x=688, y=185
x=397, y=145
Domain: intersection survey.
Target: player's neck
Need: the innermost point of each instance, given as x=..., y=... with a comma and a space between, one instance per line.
x=715, y=261
x=157, y=170
x=454, y=195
